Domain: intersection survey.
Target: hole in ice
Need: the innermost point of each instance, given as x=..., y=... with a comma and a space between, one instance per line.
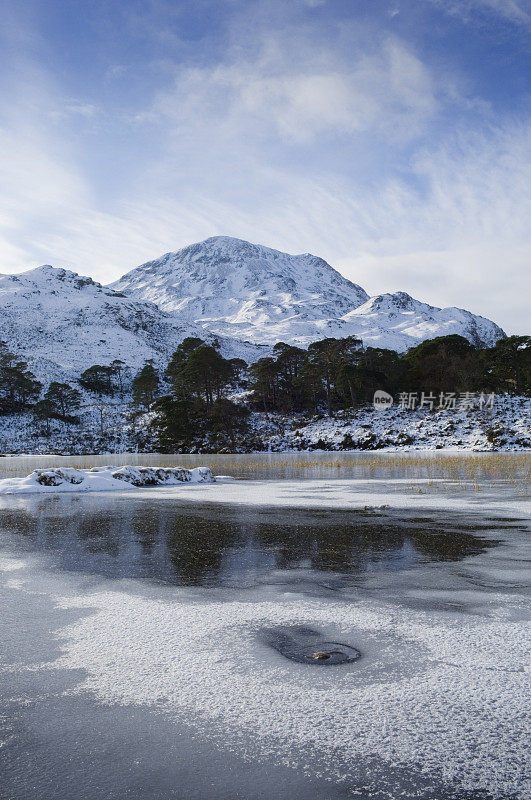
x=306, y=646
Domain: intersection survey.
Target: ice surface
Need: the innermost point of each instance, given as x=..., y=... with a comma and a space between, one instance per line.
x=368, y=495
x=435, y=692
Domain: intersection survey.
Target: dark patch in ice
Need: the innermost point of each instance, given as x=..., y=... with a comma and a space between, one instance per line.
x=307, y=646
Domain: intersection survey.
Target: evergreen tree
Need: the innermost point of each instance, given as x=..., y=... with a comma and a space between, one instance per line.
x=44, y=410
x=145, y=385
x=508, y=365
x=176, y=423
x=326, y=359
x=63, y=399
x=227, y=421
x=374, y=368
x=98, y=379
x=121, y=372
x=205, y=375
x=444, y=364
x=291, y=362
x=200, y=377
x=18, y=386
x=265, y=383
x=180, y=357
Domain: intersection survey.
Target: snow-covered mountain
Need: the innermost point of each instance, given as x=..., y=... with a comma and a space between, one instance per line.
x=233, y=288
x=229, y=280
x=247, y=296
x=63, y=323
x=398, y=321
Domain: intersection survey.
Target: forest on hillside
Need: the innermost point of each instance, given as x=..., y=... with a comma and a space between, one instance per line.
x=201, y=394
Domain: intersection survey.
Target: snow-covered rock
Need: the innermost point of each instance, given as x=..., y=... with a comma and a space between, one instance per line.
x=233, y=288
x=57, y=476
x=157, y=476
x=99, y=479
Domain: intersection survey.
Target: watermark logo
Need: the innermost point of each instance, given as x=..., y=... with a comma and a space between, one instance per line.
x=449, y=401
x=382, y=400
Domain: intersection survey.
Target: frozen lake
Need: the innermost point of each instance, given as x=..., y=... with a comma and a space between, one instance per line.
x=156, y=643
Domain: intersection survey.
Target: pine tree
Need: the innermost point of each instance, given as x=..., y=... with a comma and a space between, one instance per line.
x=205, y=375
x=180, y=357
x=509, y=364
x=18, y=386
x=121, y=372
x=326, y=358
x=44, y=410
x=63, y=399
x=98, y=379
x=145, y=385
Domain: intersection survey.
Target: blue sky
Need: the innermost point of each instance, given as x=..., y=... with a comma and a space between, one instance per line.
x=391, y=137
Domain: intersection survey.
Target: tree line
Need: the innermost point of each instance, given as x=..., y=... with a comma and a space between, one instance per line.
x=334, y=374
x=189, y=399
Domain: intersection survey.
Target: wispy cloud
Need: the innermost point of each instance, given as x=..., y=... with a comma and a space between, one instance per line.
x=517, y=12
x=459, y=238
x=286, y=86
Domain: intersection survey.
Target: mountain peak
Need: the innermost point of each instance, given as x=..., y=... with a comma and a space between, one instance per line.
x=231, y=287
x=392, y=302
x=224, y=278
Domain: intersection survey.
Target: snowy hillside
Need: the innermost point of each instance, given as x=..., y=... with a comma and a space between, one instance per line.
x=233, y=288
x=63, y=323
x=505, y=427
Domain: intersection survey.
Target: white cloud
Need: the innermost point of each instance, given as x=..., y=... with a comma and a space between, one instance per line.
x=514, y=11
x=460, y=240
x=300, y=92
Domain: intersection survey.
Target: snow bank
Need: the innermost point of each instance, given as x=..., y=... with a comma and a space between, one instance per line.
x=98, y=479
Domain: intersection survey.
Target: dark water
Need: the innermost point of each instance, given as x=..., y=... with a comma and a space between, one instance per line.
x=231, y=546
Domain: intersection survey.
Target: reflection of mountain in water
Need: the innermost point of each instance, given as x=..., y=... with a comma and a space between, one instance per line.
x=229, y=546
